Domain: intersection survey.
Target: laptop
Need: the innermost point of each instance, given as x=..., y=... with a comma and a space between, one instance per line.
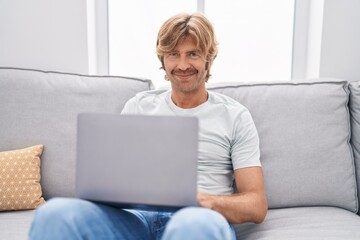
x=137, y=161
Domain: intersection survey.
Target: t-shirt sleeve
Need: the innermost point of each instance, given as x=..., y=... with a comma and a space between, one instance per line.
x=130, y=107
x=245, y=151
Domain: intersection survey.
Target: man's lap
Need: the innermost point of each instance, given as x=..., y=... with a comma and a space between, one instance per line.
x=99, y=221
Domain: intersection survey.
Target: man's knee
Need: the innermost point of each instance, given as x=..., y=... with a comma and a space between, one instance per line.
x=202, y=217
x=58, y=209
x=60, y=215
x=197, y=223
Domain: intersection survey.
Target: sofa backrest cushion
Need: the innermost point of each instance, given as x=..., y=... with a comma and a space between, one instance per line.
x=41, y=108
x=355, y=126
x=304, y=131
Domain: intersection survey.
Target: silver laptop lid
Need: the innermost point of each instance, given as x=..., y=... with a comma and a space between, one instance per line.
x=137, y=161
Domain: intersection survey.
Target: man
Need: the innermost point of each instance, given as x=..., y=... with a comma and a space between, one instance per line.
x=228, y=152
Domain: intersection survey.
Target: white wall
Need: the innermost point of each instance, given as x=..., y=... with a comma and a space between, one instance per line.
x=340, y=49
x=44, y=34
x=52, y=35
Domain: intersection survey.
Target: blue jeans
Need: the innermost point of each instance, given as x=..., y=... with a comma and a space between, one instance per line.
x=67, y=218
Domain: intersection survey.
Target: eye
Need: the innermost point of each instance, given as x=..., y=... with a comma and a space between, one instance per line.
x=194, y=54
x=173, y=54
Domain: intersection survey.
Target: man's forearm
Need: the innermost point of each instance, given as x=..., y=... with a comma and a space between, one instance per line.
x=237, y=208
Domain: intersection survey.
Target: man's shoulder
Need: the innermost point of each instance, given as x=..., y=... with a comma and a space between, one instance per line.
x=144, y=101
x=219, y=98
x=150, y=95
x=231, y=109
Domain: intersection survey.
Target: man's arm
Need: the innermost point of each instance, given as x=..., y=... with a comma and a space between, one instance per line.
x=249, y=205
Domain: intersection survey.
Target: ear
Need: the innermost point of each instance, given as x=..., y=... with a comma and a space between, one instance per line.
x=207, y=68
x=162, y=64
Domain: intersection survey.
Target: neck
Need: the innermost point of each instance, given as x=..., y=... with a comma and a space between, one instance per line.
x=189, y=100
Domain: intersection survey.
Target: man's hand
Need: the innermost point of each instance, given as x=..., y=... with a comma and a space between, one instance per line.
x=205, y=200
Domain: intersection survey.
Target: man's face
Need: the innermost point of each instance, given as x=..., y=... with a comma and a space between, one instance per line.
x=185, y=67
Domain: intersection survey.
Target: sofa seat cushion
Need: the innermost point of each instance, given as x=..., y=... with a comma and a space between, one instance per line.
x=315, y=223
x=15, y=225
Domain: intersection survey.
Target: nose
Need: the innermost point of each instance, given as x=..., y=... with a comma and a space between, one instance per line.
x=183, y=63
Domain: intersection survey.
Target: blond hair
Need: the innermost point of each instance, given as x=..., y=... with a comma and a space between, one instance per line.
x=184, y=25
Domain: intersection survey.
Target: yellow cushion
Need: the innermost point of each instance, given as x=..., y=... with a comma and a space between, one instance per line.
x=20, y=179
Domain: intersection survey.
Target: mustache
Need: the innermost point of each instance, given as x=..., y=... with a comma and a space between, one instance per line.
x=185, y=72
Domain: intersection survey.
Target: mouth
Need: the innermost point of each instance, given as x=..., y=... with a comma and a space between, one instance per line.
x=184, y=75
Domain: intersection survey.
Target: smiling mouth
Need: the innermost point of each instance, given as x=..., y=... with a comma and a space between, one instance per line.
x=184, y=74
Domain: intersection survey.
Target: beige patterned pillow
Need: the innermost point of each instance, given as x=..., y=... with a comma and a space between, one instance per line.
x=20, y=179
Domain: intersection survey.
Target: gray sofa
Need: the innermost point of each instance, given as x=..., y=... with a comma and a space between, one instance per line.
x=309, y=137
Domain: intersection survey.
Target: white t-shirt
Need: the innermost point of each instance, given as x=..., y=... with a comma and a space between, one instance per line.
x=228, y=138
